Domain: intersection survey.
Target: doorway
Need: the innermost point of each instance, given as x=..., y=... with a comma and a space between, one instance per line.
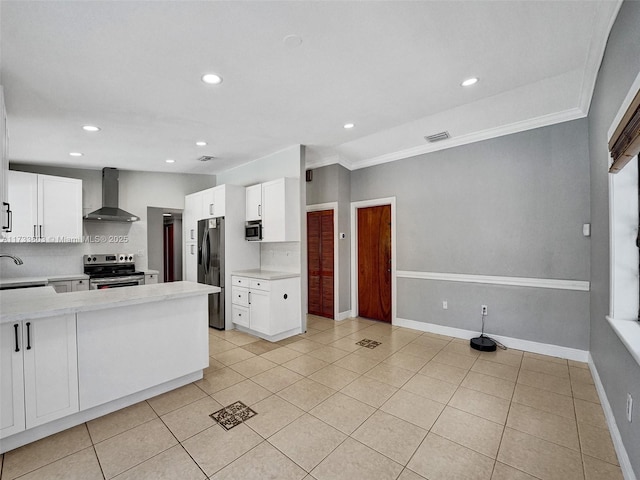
x=164, y=243
x=169, y=257
x=373, y=260
x=320, y=263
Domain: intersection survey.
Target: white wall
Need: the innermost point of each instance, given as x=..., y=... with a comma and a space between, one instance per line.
x=138, y=190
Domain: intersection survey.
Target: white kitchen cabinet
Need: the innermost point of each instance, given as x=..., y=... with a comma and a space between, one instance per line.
x=11, y=379
x=267, y=308
x=150, y=278
x=253, y=209
x=79, y=285
x=192, y=206
x=5, y=221
x=65, y=286
x=47, y=355
x=191, y=262
x=278, y=208
x=213, y=202
x=45, y=208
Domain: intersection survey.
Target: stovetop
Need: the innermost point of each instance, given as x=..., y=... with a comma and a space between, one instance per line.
x=110, y=265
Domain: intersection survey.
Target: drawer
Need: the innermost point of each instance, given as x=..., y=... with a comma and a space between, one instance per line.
x=240, y=296
x=240, y=281
x=256, y=284
x=240, y=315
x=79, y=285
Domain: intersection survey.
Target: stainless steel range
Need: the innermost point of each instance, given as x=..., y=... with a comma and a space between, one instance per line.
x=111, y=271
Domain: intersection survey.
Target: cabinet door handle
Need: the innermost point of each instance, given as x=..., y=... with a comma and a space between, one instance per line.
x=192, y=252
x=259, y=210
x=28, y=335
x=16, y=333
x=249, y=298
x=9, y=226
x=35, y=231
x=192, y=237
x=211, y=209
x=40, y=231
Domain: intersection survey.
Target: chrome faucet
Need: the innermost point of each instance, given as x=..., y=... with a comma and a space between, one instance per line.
x=17, y=260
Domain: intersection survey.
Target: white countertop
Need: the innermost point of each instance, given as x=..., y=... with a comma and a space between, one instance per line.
x=265, y=274
x=25, y=281
x=39, y=302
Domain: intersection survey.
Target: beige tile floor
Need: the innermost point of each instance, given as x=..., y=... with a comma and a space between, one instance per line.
x=418, y=406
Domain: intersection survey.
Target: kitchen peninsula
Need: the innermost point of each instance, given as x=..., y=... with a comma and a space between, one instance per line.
x=69, y=358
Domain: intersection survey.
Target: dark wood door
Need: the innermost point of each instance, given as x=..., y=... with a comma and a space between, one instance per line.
x=374, y=262
x=168, y=253
x=320, y=260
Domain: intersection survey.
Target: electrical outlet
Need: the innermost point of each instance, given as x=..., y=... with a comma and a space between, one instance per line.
x=485, y=310
x=629, y=407
x=445, y=305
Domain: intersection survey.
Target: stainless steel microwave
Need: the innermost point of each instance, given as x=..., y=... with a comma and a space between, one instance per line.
x=253, y=231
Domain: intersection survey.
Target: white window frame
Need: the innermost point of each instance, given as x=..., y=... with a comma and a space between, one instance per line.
x=623, y=252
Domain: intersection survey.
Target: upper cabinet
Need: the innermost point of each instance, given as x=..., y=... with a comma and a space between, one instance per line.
x=208, y=203
x=44, y=208
x=5, y=219
x=254, y=203
x=278, y=208
x=213, y=202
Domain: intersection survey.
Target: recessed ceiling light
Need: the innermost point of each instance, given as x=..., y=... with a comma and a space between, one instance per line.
x=349, y=125
x=75, y=154
x=168, y=160
x=212, y=79
x=91, y=128
x=201, y=144
x=469, y=81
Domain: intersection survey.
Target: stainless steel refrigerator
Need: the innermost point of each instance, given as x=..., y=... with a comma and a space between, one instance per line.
x=211, y=266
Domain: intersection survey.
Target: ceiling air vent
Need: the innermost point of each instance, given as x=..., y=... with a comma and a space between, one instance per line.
x=437, y=137
x=206, y=158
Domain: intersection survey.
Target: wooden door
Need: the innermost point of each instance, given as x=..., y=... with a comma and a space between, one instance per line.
x=169, y=260
x=374, y=262
x=320, y=237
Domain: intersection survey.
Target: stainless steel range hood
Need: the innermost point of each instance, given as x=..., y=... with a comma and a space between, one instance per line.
x=110, y=211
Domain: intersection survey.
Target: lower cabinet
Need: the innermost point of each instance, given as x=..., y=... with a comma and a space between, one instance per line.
x=64, y=286
x=38, y=372
x=268, y=308
x=150, y=278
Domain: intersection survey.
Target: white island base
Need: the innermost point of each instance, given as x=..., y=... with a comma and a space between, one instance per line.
x=152, y=340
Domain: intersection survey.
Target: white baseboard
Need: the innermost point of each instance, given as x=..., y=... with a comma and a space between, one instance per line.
x=509, y=342
x=623, y=457
x=344, y=315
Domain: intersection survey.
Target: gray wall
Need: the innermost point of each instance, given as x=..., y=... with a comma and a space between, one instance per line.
x=509, y=206
x=155, y=241
x=617, y=369
x=333, y=184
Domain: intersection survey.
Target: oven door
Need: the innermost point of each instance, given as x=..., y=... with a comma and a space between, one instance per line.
x=115, y=282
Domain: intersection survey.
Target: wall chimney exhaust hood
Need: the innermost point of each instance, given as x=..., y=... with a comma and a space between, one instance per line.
x=110, y=211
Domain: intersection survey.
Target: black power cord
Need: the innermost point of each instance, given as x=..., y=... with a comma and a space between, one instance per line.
x=484, y=342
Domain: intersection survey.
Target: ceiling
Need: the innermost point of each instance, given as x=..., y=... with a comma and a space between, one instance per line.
x=393, y=68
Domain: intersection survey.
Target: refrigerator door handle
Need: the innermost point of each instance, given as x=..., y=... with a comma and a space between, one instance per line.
x=205, y=251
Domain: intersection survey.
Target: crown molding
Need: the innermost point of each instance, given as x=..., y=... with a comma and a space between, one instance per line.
x=516, y=127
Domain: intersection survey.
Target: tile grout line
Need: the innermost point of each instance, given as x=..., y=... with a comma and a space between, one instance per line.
x=504, y=427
